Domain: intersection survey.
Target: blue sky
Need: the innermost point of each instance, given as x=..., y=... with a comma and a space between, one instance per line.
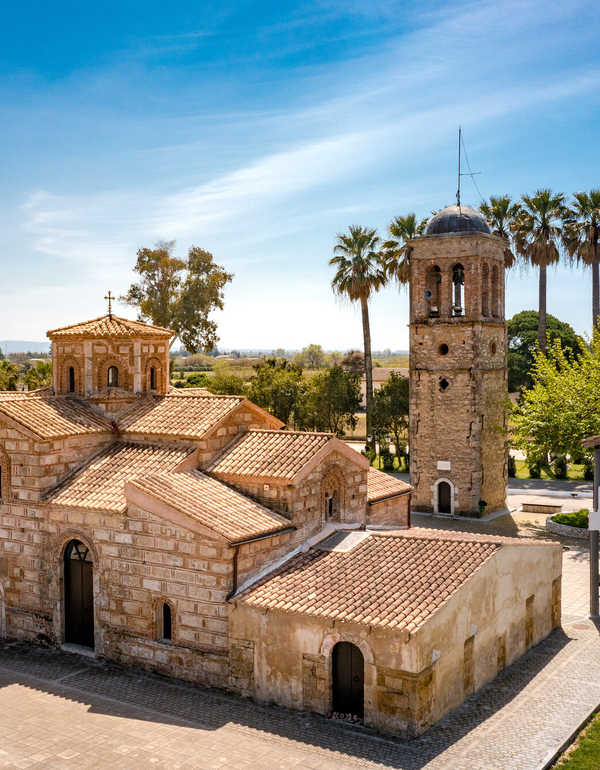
x=258, y=130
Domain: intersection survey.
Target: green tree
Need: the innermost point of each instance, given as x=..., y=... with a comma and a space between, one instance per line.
x=522, y=339
x=313, y=356
x=581, y=238
x=501, y=214
x=275, y=386
x=179, y=294
x=563, y=405
x=198, y=380
x=353, y=361
x=391, y=408
x=398, y=248
x=227, y=385
x=9, y=375
x=1, y=355
x=538, y=233
x=330, y=402
x=360, y=271
x=39, y=376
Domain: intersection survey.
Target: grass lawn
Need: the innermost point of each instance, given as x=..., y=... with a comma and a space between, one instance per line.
x=575, y=472
x=585, y=752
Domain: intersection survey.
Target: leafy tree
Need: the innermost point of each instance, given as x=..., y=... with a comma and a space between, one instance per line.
x=314, y=357
x=198, y=380
x=501, y=214
x=330, y=402
x=398, y=248
x=179, y=294
x=360, y=271
x=39, y=376
x=227, y=385
x=563, y=406
x=1, y=355
x=522, y=337
x=353, y=361
x=275, y=385
x=538, y=233
x=391, y=407
x=581, y=237
x=9, y=375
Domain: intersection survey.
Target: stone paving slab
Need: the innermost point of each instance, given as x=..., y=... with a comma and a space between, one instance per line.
x=59, y=710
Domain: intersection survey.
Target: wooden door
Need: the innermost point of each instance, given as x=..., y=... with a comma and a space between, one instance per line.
x=79, y=595
x=348, y=680
x=444, y=497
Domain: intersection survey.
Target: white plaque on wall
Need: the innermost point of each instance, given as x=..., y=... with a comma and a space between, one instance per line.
x=444, y=465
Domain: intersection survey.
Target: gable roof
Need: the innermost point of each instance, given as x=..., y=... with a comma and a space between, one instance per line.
x=393, y=580
x=212, y=504
x=184, y=416
x=278, y=454
x=51, y=417
x=381, y=486
x=110, y=326
x=99, y=484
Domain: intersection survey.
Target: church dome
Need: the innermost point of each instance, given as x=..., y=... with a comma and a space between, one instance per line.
x=457, y=219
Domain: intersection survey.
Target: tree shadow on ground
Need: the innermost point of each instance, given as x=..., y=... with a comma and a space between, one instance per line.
x=110, y=689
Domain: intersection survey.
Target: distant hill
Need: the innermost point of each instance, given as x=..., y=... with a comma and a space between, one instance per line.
x=24, y=346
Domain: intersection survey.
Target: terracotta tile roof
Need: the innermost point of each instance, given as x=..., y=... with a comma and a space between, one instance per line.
x=213, y=504
x=270, y=454
x=394, y=580
x=99, y=484
x=110, y=326
x=380, y=486
x=53, y=416
x=188, y=416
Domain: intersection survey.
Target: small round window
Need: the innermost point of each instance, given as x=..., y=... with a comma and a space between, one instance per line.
x=444, y=384
x=493, y=348
x=443, y=349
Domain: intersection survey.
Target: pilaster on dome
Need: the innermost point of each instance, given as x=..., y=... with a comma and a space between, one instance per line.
x=457, y=220
x=110, y=326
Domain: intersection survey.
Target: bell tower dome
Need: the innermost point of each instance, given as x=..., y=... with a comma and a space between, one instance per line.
x=458, y=375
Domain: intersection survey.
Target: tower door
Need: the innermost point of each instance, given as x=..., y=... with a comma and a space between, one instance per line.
x=348, y=679
x=444, y=497
x=79, y=595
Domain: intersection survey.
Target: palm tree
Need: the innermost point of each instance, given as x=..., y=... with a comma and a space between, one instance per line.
x=501, y=214
x=581, y=238
x=398, y=249
x=9, y=375
x=538, y=234
x=360, y=272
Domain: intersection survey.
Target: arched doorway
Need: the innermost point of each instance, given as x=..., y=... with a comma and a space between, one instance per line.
x=348, y=668
x=79, y=595
x=444, y=497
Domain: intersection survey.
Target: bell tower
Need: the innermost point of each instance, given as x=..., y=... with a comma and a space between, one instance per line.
x=458, y=375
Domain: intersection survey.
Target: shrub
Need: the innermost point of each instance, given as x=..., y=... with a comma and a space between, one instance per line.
x=387, y=458
x=588, y=468
x=560, y=467
x=369, y=454
x=512, y=466
x=535, y=471
x=578, y=519
x=407, y=462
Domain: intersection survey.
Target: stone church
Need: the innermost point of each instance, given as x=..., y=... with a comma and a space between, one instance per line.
x=189, y=534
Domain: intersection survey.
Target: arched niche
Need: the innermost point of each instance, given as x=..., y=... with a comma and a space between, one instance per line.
x=333, y=494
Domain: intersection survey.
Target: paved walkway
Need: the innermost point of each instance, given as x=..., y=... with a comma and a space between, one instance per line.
x=62, y=711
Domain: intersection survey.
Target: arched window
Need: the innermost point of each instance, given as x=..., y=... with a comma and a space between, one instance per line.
x=164, y=622
x=433, y=280
x=71, y=379
x=458, y=281
x=113, y=377
x=495, y=292
x=79, y=594
x=333, y=492
x=485, y=291
x=152, y=378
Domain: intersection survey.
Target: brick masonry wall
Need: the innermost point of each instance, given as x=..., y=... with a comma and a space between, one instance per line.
x=405, y=700
x=390, y=513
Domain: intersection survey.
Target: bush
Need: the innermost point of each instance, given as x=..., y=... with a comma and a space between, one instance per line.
x=588, y=468
x=197, y=380
x=512, y=467
x=560, y=467
x=535, y=471
x=578, y=519
x=387, y=458
x=407, y=462
x=369, y=454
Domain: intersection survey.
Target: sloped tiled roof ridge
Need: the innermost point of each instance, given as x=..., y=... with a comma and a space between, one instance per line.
x=392, y=580
x=53, y=417
x=217, y=507
x=270, y=454
x=110, y=326
x=99, y=484
x=381, y=486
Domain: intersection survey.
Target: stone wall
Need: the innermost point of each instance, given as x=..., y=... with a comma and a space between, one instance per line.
x=393, y=512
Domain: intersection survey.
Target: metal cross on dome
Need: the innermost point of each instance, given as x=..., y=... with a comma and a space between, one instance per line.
x=110, y=298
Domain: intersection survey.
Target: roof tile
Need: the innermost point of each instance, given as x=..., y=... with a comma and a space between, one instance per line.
x=380, y=486
x=53, y=416
x=110, y=326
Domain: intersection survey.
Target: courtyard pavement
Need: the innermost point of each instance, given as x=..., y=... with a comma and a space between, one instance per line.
x=61, y=710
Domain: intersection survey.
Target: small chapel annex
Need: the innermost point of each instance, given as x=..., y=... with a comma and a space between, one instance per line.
x=189, y=534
